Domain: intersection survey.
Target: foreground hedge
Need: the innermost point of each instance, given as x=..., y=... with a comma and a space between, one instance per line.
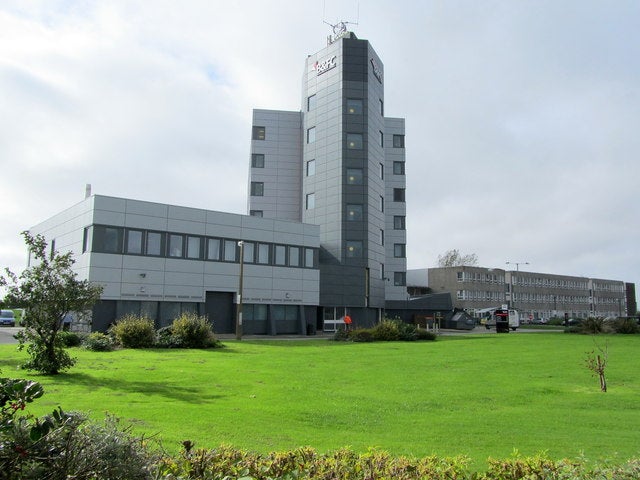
x=305, y=463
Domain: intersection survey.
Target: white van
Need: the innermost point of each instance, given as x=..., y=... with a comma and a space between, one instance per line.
x=514, y=319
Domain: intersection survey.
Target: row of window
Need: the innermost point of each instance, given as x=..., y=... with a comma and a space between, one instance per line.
x=355, y=141
x=480, y=295
x=355, y=248
x=353, y=106
x=527, y=281
x=257, y=190
x=548, y=282
x=480, y=277
x=131, y=241
x=608, y=287
x=526, y=297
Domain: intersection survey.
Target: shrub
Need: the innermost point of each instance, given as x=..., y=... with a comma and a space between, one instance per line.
x=41, y=361
x=407, y=332
x=98, y=342
x=342, y=335
x=132, y=331
x=386, y=331
x=165, y=338
x=192, y=331
x=63, y=445
x=361, y=335
x=70, y=339
x=555, y=321
x=594, y=325
x=422, y=334
x=625, y=325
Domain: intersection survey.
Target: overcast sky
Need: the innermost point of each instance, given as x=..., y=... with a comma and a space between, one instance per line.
x=522, y=117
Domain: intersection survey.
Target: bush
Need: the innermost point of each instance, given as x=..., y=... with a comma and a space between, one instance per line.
x=70, y=339
x=361, y=335
x=594, y=325
x=625, y=325
x=132, y=331
x=407, y=332
x=555, y=321
x=63, y=445
x=165, y=338
x=98, y=342
x=386, y=331
x=422, y=334
x=342, y=335
x=191, y=331
x=42, y=361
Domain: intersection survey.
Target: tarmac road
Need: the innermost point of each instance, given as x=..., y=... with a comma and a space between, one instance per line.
x=7, y=333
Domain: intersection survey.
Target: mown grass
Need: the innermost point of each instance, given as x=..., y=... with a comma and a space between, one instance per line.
x=478, y=395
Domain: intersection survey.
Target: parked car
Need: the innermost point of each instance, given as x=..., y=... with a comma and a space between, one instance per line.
x=7, y=318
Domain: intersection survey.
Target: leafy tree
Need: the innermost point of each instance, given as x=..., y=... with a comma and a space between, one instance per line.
x=49, y=291
x=453, y=258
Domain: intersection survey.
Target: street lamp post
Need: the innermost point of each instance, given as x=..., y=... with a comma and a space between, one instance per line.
x=512, y=296
x=239, y=310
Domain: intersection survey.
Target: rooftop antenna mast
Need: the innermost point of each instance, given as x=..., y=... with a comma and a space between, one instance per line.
x=339, y=28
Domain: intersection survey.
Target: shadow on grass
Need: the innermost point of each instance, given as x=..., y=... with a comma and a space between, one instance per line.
x=176, y=392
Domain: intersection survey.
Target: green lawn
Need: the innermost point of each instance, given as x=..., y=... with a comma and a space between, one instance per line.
x=477, y=395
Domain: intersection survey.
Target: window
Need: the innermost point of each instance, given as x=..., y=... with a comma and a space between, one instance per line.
x=399, y=279
x=354, y=106
x=381, y=138
x=354, y=249
x=257, y=160
x=398, y=141
x=311, y=103
x=280, y=254
x=294, y=257
x=381, y=107
x=398, y=168
x=256, y=213
x=381, y=170
x=354, y=212
x=175, y=245
x=257, y=189
x=311, y=168
x=213, y=249
x=354, y=176
x=284, y=312
x=109, y=240
x=398, y=194
x=381, y=236
x=87, y=239
x=258, y=133
x=381, y=203
x=382, y=271
x=354, y=141
x=134, y=242
x=154, y=243
x=263, y=253
x=310, y=201
x=399, y=250
x=311, y=135
x=309, y=258
x=193, y=247
x=248, y=252
x=399, y=222
x=230, y=254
